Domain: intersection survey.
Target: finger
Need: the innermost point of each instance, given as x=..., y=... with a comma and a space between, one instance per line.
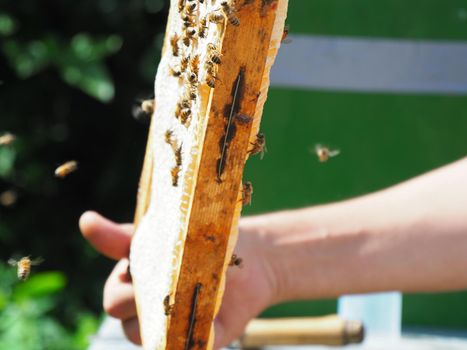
x=131, y=330
x=119, y=298
x=109, y=238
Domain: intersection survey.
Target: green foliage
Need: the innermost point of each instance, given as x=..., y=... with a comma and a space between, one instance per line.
x=70, y=72
x=25, y=320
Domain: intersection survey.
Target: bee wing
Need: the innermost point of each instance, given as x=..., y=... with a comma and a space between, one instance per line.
x=334, y=152
x=318, y=147
x=12, y=262
x=37, y=261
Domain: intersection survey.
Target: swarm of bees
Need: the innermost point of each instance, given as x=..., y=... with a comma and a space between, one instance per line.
x=324, y=153
x=24, y=266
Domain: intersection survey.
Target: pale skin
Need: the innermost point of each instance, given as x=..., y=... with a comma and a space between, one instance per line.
x=411, y=237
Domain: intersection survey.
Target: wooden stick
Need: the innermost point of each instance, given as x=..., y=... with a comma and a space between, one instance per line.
x=328, y=330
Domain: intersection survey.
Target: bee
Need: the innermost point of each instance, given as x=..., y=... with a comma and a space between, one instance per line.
x=184, y=63
x=213, y=54
x=189, y=34
x=169, y=137
x=6, y=139
x=211, y=81
x=8, y=198
x=174, y=72
x=194, y=64
x=203, y=27
x=175, y=172
x=247, y=192
x=178, y=155
x=259, y=146
x=181, y=5
x=285, y=35
x=66, y=169
x=191, y=93
x=24, y=266
x=168, y=308
x=236, y=261
x=188, y=21
x=190, y=8
x=183, y=114
x=230, y=12
x=174, y=43
x=216, y=17
x=192, y=78
x=324, y=153
x=144, y=110
x=148, y=106
x=243, y=119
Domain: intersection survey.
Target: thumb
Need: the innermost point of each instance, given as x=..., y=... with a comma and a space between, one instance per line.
x=109, y=238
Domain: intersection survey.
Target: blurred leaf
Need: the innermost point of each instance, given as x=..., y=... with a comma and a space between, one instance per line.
x=92, y=78
x=29, y=58
x=40, y=284
x=7, y=24
x=3, y=300
x=7, y=160
x=87, y=326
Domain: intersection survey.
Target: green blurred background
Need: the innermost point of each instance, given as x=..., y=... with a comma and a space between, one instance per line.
x=70, y=73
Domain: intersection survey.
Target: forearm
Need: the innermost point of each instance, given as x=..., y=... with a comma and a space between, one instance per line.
x=411, y=237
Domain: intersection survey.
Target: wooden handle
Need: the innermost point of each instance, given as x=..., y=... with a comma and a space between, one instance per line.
x=328, y=330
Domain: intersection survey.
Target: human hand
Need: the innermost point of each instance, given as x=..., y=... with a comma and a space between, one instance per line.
x=248, y=289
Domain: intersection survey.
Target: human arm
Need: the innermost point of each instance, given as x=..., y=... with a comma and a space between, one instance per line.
x=411, y=237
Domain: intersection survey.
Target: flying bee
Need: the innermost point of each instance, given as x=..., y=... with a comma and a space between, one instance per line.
x=236, y=261
x=8, y=198
x=203, y=27
x=247, y=192
x=216, y=17
x=213, y=54
x=24, y=266
x=230, y=12
x=324, y=153
x=66, y=169
x=7, y=139
x=167, y=306
x=259, y=146
x=175, y=172
x=148, y=106
x=174, y=44
x=144, y=111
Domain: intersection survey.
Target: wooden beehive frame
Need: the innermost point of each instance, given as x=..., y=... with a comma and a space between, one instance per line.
x=227, y=125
